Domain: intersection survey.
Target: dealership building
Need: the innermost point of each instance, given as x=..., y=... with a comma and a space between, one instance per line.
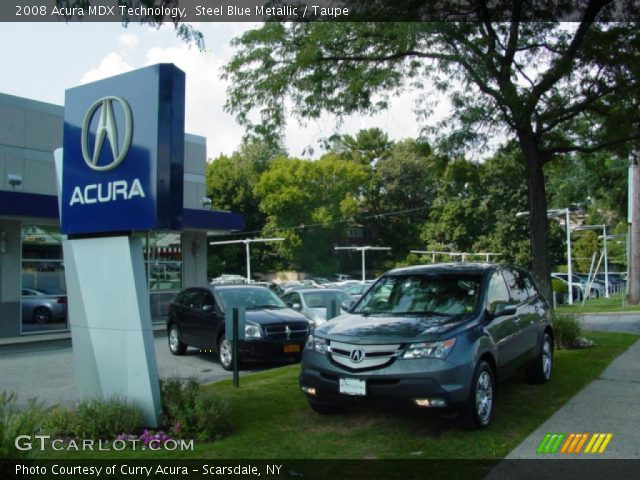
x=32, y=280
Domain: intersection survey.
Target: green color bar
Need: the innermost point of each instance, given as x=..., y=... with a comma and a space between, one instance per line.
x=543, y=443
x=556, y=446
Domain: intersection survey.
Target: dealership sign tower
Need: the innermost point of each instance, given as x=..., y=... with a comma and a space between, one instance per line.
x=121, y=171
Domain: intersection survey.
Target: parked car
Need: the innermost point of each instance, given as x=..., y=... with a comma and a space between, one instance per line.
x=435, y=336
x=577, y=289
x=312, y=303
x=273, y=331
x=596, y=289
x=43, y=306
x=597, y=285
x=341, y=277
x=291, y=286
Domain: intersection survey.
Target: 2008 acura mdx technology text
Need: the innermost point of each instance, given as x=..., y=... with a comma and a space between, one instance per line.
x=437, y=336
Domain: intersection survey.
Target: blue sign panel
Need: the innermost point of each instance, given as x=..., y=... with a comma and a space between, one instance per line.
x=124, y=153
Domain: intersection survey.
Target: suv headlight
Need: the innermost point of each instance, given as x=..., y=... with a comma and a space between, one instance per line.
x=438, y=350
x=252, y=331
x=316, y=344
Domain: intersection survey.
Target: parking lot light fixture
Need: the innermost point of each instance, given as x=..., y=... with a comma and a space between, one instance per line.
x=247, y=242
x=363, y=250
x=558, y=212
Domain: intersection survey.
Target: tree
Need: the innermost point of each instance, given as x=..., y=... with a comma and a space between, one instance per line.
x=230, y=183
x=553, y=87
x=308, y=203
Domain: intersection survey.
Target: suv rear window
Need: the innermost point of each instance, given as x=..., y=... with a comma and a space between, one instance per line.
x=422, y=294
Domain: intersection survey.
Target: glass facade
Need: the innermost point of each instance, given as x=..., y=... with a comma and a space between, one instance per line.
x=163, y=262
x=44, y=298
x=44, y=292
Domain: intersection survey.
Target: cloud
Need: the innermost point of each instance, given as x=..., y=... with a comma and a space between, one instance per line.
x=128, y=40
x=112, y=64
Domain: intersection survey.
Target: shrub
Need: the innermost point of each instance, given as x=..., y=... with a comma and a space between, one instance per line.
x=566, y=329
x=58, y=421
x=103, y=418
x=559, y=286
x=15, y=421
x=193, y=412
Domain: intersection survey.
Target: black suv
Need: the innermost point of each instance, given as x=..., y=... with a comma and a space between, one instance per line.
x=272, y=331
x=437, y=336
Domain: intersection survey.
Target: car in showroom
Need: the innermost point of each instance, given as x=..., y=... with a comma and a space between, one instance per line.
x=42, y=306
x=272, y=330
x=314, y=303
x=438, y=336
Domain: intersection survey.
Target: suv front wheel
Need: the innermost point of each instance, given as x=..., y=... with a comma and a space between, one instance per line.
x=478, y=412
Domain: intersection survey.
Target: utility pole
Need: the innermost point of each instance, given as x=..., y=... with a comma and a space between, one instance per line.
x=633, y=278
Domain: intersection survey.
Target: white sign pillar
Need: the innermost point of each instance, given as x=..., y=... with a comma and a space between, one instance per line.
x=110, y=320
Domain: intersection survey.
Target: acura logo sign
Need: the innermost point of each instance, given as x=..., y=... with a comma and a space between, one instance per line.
x=357, y=355
x=107, y=129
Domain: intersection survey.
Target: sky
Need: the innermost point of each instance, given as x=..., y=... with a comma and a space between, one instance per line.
x=42, y=60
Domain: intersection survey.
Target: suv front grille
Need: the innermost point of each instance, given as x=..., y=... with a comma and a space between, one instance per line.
x=361, y=357
x=287, y=331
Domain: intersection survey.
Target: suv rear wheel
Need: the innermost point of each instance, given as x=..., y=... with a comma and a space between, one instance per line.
x=540, y=370
x=478, y=412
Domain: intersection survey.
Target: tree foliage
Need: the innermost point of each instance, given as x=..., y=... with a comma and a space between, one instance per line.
x=307, y=202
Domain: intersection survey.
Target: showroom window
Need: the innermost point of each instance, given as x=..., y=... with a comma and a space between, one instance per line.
x=163, y=262
x=44, y=292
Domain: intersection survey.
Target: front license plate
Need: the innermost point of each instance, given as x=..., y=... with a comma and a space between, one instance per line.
x=291, y=348
x=353, y=386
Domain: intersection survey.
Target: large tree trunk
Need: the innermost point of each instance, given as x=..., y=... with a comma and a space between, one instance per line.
x=538, y=223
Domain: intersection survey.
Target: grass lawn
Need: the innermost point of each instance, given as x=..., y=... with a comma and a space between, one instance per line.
x=273, y=421
x=598, y=305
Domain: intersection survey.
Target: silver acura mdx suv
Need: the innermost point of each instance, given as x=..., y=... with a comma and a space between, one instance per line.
x=437, y=336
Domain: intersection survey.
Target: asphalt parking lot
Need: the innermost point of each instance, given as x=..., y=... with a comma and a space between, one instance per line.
x=45, y=370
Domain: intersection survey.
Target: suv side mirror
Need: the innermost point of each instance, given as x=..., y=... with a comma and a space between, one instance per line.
x=502, y=309
x=296, y=306
x=347, y=306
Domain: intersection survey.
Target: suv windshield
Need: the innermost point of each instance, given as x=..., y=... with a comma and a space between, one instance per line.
x=422, y=294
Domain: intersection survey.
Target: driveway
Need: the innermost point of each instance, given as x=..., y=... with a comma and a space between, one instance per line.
x=45, y=371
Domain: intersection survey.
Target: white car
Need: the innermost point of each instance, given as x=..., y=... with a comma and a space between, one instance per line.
x=313, y=303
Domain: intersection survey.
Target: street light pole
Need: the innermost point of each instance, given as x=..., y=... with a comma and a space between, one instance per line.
x=363, y=250
x=247, y=242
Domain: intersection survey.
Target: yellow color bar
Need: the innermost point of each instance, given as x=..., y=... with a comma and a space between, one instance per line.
x=606, y=442
x=596, y=446
x=590, y=444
